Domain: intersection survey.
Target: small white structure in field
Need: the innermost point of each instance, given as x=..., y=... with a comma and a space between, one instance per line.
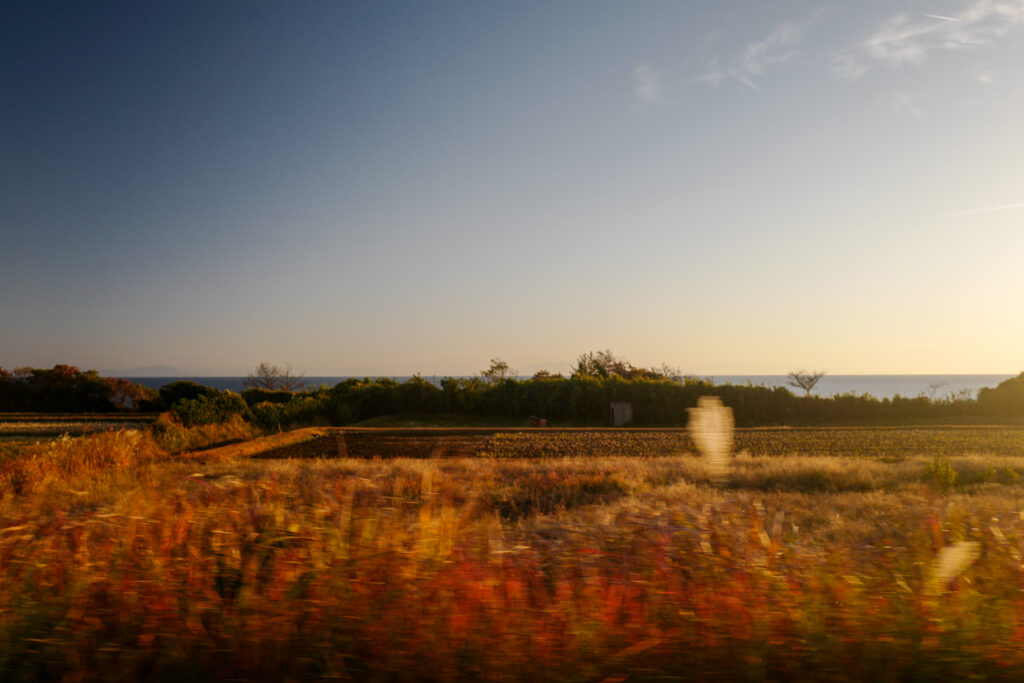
x=711, y=425
x=622, y=413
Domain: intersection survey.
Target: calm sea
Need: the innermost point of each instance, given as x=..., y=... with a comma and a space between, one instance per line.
x=880, y=386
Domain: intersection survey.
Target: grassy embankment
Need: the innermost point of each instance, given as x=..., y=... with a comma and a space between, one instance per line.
x=611, y=556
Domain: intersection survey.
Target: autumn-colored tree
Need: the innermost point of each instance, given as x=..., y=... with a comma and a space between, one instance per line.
x=127, y=395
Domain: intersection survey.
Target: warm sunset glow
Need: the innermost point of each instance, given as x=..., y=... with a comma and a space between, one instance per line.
x=586, y=340
x=363, y=190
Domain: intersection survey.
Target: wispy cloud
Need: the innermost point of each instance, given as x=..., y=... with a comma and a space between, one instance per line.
x=648, y=84
x=986, y=209
x=848, y=67
x=905, y=102
x=714, y=74
x=906, y=40
x=903, y=39
x=776, y=48
x=899, y=41
x=987, y=77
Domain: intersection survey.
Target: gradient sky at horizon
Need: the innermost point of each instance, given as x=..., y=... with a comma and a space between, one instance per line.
x=388, y=188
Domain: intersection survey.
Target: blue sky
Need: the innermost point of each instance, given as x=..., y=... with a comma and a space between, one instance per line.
x=389, y=188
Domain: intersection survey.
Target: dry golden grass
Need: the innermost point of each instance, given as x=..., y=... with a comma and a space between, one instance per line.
x=121, y=561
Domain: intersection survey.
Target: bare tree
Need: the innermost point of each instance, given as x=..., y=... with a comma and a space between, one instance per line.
x=672, y=372
x=801, y=379
x=274, y=378
x=933, y=389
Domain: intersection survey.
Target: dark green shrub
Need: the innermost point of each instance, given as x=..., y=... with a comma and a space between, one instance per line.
x=268, y=415
x=941, y=473
x=62, y=389
x=255, y=396
x=182, y=390
x=1005, y=399
x=545, y=396
x=418, y=396
x=211, y=409
x=302, y=411
x=588, y=401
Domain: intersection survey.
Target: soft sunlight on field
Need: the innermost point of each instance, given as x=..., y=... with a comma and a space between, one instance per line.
x=117, y=559
x=312, y=323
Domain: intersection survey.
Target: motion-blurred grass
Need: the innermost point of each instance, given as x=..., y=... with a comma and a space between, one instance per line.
x=121, y=561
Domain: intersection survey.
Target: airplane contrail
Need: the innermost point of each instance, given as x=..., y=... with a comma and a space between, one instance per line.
x=939, y=16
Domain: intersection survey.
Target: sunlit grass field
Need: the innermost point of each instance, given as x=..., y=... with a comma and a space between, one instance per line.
x=17, y=429
x=563, y=557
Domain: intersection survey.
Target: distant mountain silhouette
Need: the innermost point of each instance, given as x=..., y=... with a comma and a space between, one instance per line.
x=148, y=371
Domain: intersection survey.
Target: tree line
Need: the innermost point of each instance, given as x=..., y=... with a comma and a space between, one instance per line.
x=660, y=398
x=66, y=389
